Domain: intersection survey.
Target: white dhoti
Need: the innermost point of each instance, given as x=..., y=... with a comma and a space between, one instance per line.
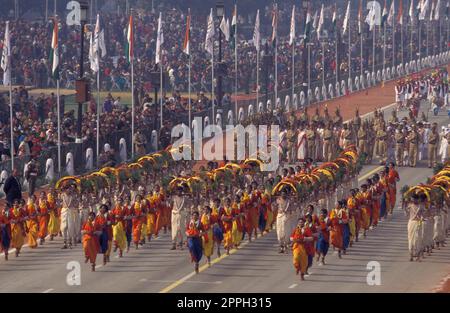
x=415, y=237
x=438, y=231
x=282, y=229
x=178, y=226
x=428, y=226
x=70, y=224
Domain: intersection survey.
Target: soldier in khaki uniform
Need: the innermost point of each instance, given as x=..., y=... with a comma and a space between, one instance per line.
x=316, y=118
x=381, y=137
x=347, y=135
x=326, y=116
x=362, y=139
x=413, y=141
x=291, y=140
x=328, y=142
x=433, y=143
x=304, y=116
x=399, y=145
x=338, y=118
x=393, y=119
x=311, y=139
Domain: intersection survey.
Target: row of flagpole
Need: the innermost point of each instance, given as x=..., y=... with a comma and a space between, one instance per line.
x=97, y=44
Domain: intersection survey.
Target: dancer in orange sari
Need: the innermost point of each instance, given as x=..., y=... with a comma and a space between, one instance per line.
x=43, y=217
x=300, y=236
x=5, y=232
x=393, y=179
x=365, y=202
x=137, y=214
x=162, y=217
x=336, y=231
x=90, y=241
x=32, y=222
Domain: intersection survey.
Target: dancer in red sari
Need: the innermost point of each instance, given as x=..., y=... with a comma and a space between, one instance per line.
x=91, y=245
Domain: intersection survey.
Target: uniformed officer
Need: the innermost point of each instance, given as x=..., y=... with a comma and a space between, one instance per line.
x=311, y=138
x=328, y=142
x=413, y=141
x=433, y=143
x=362, y=140
x=399, y=145
x=381, y=137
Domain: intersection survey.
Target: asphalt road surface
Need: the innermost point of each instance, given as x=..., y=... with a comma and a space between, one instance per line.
x=255, y=267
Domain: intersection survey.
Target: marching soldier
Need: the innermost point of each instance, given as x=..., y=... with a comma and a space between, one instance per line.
x=399, y=145
x=291, y=140
x=413, y=141
x=433, y=142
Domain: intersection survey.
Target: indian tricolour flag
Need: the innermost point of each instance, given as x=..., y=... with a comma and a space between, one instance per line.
x=130, y=40
x=55, y=51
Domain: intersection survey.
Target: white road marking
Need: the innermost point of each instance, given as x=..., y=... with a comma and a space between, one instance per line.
x=293, y=286
x=98, y=266
x=218, y=282
x=48, y=290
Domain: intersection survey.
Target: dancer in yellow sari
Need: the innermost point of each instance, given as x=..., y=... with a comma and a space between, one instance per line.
x=119, y=236
x=151, y=216
x=207, y=238
x=227, y=222
x=352, y=206
x=53, y=220
x=17, y=227
x=299, y=236
x=238, y=223
x=32, y=222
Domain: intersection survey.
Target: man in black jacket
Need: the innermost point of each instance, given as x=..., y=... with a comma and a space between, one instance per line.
x=12, y=188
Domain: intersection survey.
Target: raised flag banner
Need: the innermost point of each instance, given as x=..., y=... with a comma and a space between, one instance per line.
x=159, y=40
x=224, y=28
x=411, y=11
x=187, y=35
x=55, y=51
x=390, y=19
x=308, y=26
x=292, y=32
x=232, y=30
x=274, y=25
x=384, y=15
x=346, y=19
x=437, y=10
x=360, y=18
x=257, y=33
x=432, y=11
x=371, y=17
x=209, y=41
x=400, y=13
x=321, y=21
x=130, y=40
x=6, y=53
x=334, y=20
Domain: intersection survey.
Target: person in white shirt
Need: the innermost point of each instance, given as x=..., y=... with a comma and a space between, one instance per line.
x=282, y=221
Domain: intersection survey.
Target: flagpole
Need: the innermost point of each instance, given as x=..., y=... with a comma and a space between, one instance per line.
x=212, y=83
x=276, y=57
x=384, y=48
x=161, y=90
x=309, y=72
x=132, y=107
x=361, y=52
x=373, y=48
x=98, y=115
x=257, y=80
x=11, y=112
x=293, y=69
x=323, y=63
x=59, y=124
x=236, y=66
x=189, y=92
x=349, y=54
x=401, y=41
x=393, y=40
x=420, y=40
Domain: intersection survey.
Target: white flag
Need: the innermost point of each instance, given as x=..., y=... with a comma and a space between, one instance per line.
x=321, y=20
x=257, y=33
x=209, y=42
x=159, y=40
x=371, y=17
x=437, y=9
x=292, y=32
x=6, y=54
x=411, y=11
x=225, y=28
x=94, y=55
x=346, y=18
x=423, y=8
x=390, y=19
x=315, y=20
x=432, y=11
